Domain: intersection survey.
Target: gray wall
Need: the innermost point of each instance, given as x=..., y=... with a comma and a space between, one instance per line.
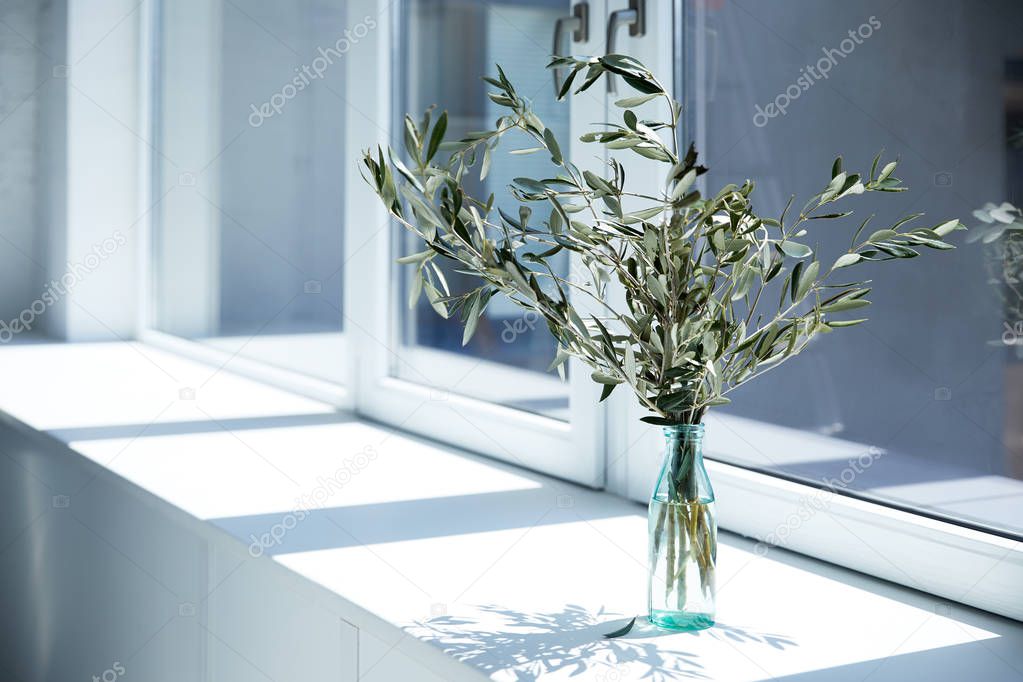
x=24, y=72
x=51, y=149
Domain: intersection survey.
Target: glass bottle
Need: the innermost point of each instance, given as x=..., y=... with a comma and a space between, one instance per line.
x=682, y=535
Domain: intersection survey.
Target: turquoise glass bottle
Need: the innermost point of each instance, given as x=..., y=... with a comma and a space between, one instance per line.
x=682, y=535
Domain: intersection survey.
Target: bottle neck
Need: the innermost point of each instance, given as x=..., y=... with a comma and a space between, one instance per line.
x=684, y=437
x=683, y=460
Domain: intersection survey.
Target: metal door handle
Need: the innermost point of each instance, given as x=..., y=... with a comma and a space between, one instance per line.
x=635, y=18
x=579, y=23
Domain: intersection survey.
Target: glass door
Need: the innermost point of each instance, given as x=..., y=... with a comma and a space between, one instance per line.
x=507, y=358
x=494, y=394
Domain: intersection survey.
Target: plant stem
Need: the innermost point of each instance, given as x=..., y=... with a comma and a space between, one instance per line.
x=669, y=575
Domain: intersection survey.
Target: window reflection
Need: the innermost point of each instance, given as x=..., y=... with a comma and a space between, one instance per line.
x=934, y=382
x=450, y=46
x=247, y=233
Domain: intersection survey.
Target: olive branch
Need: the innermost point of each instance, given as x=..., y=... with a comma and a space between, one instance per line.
x=697, y=271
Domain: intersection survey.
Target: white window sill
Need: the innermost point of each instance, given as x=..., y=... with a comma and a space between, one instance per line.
x=512, y=574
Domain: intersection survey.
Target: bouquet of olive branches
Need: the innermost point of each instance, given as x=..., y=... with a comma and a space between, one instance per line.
x=714, y=294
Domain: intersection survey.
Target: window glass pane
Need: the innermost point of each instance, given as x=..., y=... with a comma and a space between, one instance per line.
x=449, y=46
x=247, y=240
x=923, y=405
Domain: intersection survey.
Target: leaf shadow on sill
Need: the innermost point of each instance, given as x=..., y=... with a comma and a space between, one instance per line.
x=528, y=645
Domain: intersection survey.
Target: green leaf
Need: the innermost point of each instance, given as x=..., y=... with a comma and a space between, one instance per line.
x=623, y=63
x=794, y=280
x=473, y=314
x=795, y=250
x=873, y=166
x=411, y=138
x=552, y=145
x=645, y=214
x=560, y=358
x=592, y=74
x=683, y=185
x=830, y=216
x=881, y=235
x=434, y=297
x=415, y=289
x=404, y=171
x=845, y=260
x=834, y=187
x=415, y=257
x=651, y=152
x=530, y=185
x=836, y=167
x=485, y=164
x=597, y=183
x=805, y=280
x=630, y=362
x=656, y=288
x=643, y=85
x=437, y=136
x=837, y=324
x=847, y=304
x=524, y=213
x=744, y=281
x=629, y=102
x=567, y=85
x=621, y=631
x=605, y=379
x=658, y=421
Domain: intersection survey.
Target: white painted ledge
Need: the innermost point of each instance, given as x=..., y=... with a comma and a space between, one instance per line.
x=455, y=566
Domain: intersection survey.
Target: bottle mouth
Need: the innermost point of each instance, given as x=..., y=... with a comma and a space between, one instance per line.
x=687, y=430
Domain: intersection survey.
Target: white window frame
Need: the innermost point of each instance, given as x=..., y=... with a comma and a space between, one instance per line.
x=572, y=450
x=332, y=393
x=600, y=446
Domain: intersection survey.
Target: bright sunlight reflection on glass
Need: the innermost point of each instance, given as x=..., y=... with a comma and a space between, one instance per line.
x=247, y=233
x=448, y=44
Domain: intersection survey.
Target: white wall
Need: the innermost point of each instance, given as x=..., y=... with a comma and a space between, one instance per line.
x=104, y=131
